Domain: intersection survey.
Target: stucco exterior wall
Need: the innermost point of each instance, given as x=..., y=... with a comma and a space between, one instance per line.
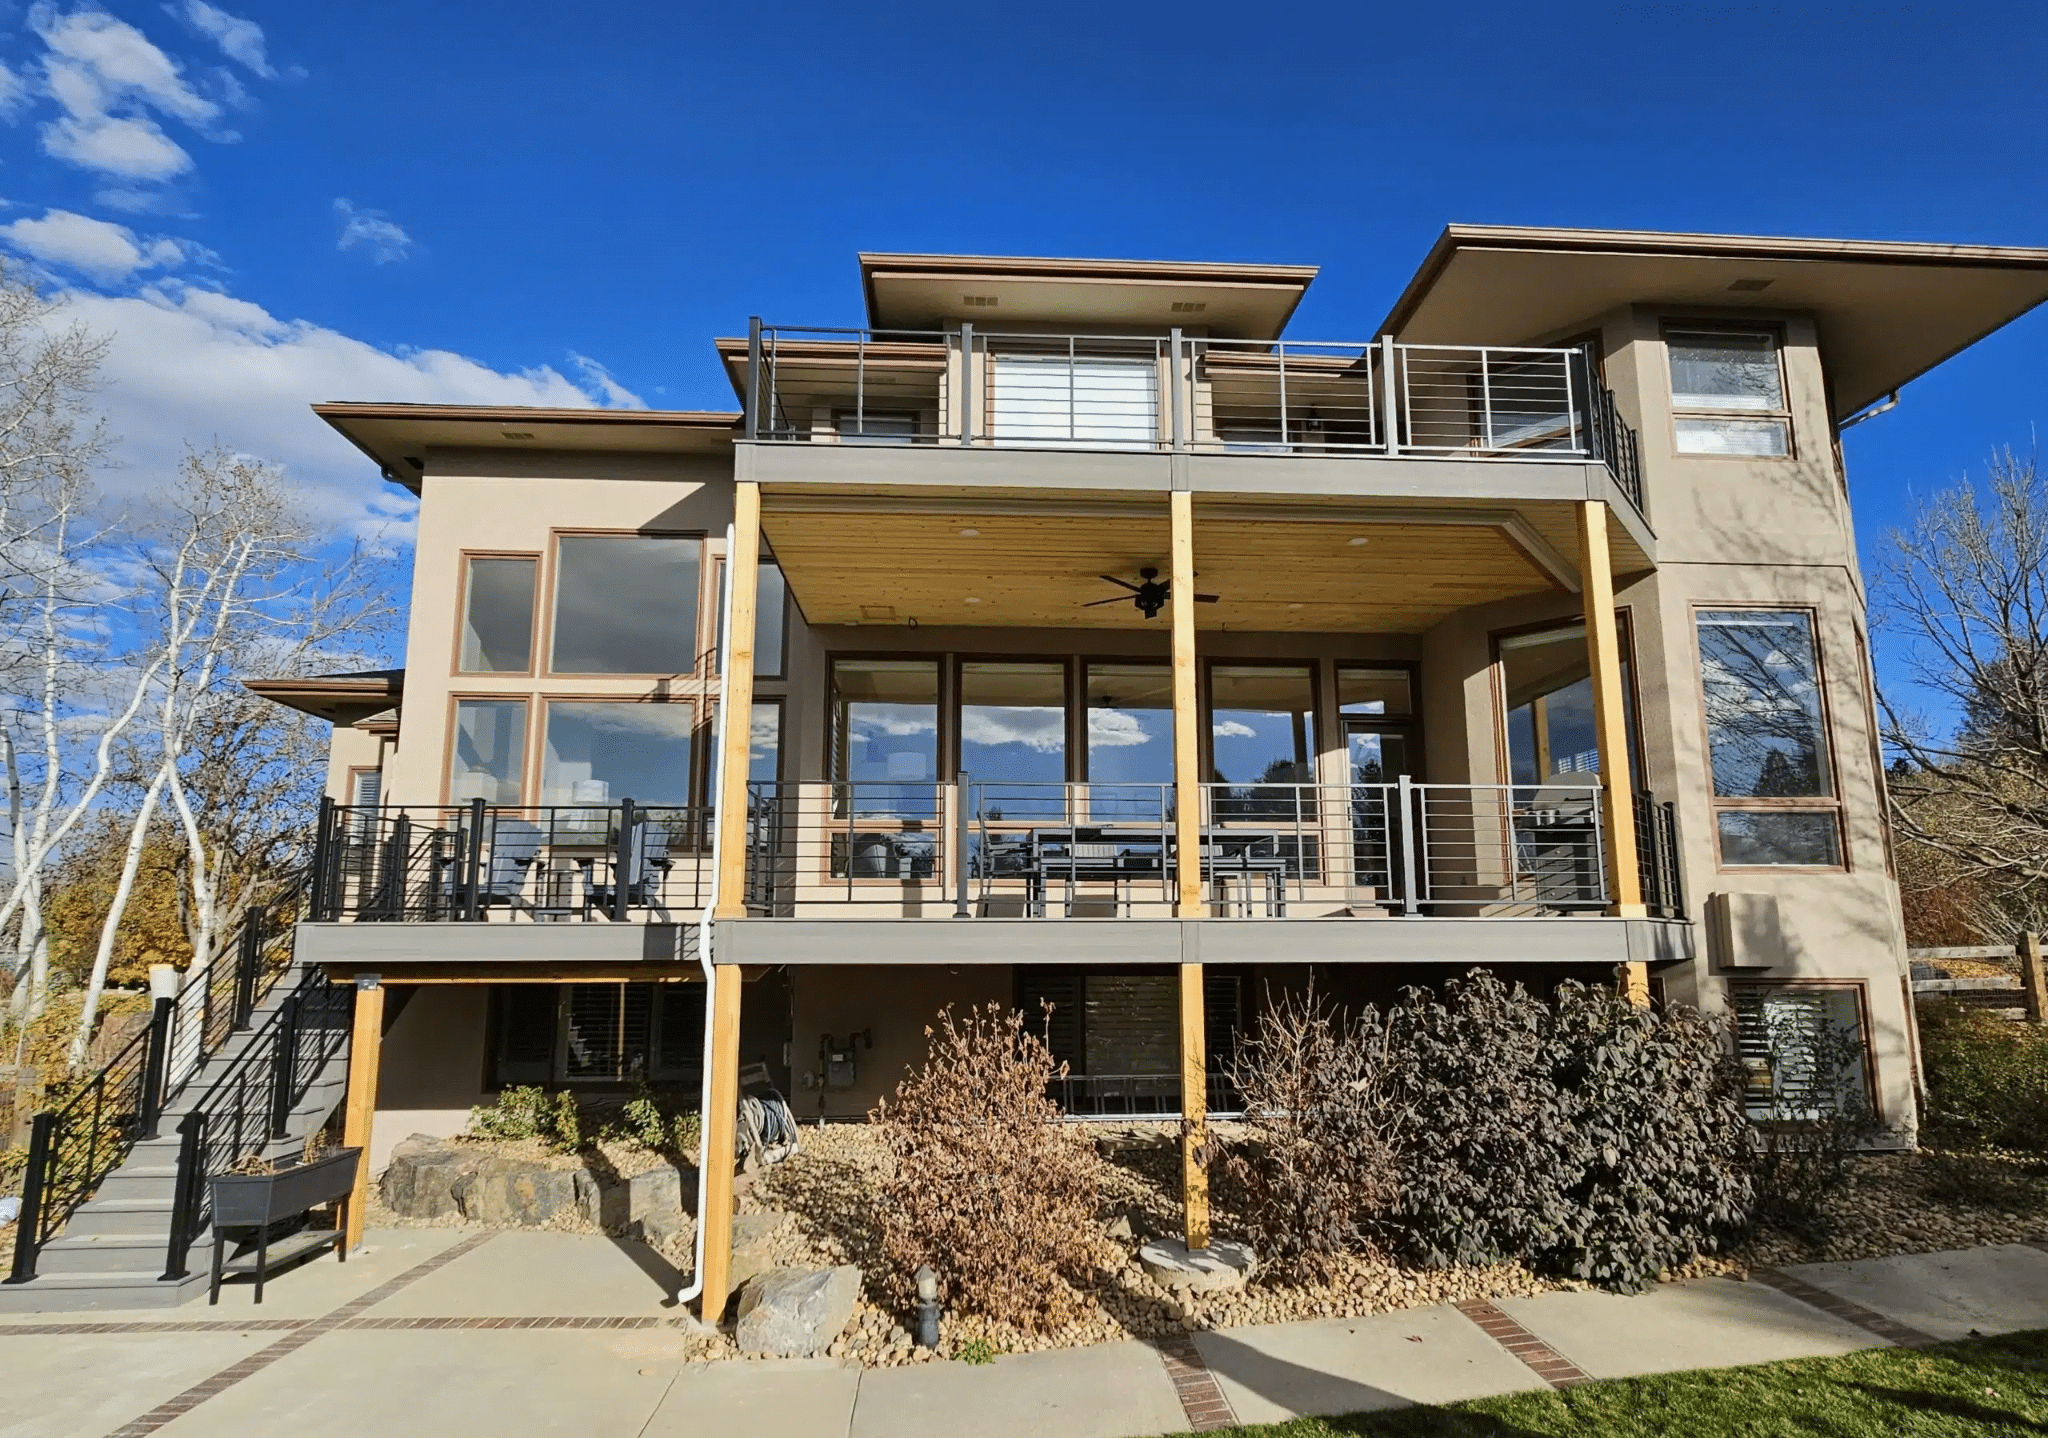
x=433, y=1067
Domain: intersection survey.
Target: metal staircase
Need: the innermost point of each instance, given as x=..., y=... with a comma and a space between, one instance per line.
x=249, y=1062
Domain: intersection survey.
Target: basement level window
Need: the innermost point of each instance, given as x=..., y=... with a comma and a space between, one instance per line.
x=1802, y=1050
x=1728, y=394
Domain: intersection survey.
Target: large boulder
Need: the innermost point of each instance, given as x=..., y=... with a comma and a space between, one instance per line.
x=654, y=1205
x=421, y=1179
x=516, y=1192
x=795, y=1312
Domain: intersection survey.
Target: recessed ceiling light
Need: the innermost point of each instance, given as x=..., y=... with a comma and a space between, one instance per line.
x=972, y=600
x=1358, y=541
x=970, y=534
x=851, y=623
x=517, y=433
x=1294, y=606
x=1751, y=286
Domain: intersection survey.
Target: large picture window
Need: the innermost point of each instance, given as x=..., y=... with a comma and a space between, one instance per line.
x=625, y=604
x=1547, y=682
x=1767, y=742
x=1013, y=722
x=497, y=616
x=600, y=753
x=1262, y=724
x=1728, y=393
x=885, y=721
x=489, y=751
x=1130, y=723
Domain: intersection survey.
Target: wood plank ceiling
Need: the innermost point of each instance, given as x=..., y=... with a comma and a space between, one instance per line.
x=1041, y=571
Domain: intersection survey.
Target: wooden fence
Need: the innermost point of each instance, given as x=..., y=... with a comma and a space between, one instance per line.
x=2029, y=984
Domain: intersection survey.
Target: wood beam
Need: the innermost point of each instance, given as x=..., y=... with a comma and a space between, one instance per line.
x=719, y=1143
x=742, y=569
x=1194, y=1108
x=365, y=1054
x=1610, y=728
x=1187, y=750
x=540, y=971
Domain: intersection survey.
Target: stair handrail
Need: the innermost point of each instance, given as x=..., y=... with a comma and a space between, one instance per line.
x=247, y=1106
x=79, y=1140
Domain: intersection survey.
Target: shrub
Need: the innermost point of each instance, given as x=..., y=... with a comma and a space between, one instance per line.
x=1802, y=1147
x=1987, y=1078
x=1655, y=1103
x=988, y=1187
x=524, y=1111
x=1319, y=1169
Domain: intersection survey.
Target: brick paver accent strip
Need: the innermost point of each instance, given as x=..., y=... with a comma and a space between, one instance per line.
x=637, y=1321
x=221, y=1325
x=291, y=1343
x=1201, y=1397
x=1868, y=1319
x=1543, y=1360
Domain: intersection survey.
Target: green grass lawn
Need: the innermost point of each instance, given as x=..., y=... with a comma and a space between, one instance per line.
x=1980, y=1386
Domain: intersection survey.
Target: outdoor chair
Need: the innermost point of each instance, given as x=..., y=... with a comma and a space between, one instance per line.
x=643, y=867
x=514, y=850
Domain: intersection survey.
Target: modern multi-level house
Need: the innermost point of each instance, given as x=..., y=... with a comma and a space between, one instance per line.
x=1070, y=635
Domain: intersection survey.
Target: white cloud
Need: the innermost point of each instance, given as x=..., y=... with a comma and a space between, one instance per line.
x=598, y=380
x=370, y=229
x=1042, y=729
x=240, y=40
x=1232, y=729
x=121, y=60
x=135, y=149
x=193, y=366
x=104, y=251
x=14, y=91
x=1115, y=729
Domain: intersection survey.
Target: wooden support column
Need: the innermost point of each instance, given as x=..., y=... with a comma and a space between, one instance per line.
x=719, y=1140
x=743, y=573
x=2033, y=981
x=1610, y=727
x=1187, y=799
x=359, y=1114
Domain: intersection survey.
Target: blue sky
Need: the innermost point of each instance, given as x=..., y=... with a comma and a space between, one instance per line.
x=562, y=204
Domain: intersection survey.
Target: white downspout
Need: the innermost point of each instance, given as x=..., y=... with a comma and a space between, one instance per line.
x=696, y=1284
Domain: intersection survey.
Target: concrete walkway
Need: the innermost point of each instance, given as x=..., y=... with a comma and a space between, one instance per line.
x=448, y=1334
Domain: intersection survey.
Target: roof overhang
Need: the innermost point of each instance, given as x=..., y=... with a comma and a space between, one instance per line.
x=1228, y=301
x=337, y=698
x=398, y=436
x=1887, y=312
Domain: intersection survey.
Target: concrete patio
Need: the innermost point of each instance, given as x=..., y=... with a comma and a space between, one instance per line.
x=580, y=1341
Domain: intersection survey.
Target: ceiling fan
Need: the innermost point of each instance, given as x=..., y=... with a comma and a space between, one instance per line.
x=1149, y=595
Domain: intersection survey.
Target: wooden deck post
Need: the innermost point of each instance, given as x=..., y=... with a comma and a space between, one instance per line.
x=1610, y=727
x=2033, y=980
x=743, y=574
x=365, y=1054
x=1187, y=799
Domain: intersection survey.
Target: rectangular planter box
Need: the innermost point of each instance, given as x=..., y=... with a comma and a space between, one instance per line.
x=258, y=1200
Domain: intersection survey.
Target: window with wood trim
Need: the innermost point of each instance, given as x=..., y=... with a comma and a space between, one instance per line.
x=1803, y=1049
x=1773, y=780
x=625, y=604
x=497, y=614
x=1728, y=393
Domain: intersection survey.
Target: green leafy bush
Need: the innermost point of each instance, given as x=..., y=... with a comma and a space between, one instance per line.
x=1987, y=1078
x=1803, y=1145
x=525, y=1111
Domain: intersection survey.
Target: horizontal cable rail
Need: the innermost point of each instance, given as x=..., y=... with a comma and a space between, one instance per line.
x=245, y=1111
x=886, y=846
x=623, y=862
x=971, y=386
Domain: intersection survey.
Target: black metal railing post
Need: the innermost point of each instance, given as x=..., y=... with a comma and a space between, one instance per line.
x=319, y=908
x=284, y=1059
x=35, y=1182
x=187, y=1192
x=754, y=377
x=622, y=863
x=156, y=1062
x=472, y=879
x=248, y=957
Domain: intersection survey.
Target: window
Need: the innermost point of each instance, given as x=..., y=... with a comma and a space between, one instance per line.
x=764, y=745
x=625, y=604
x=1547, y=682
x=1130, y=723
x=600, y=753
x=885, y=721
x=1767, y=743
x=1728, y=393
x=1374, y=709
x=490, y=747
x=771, y=593
x=869, y=427
x=497, y=616
x=1013, y=722
x=1262, y=724
x=1087, y=400
x=605, y=1035
x=1802, y=1050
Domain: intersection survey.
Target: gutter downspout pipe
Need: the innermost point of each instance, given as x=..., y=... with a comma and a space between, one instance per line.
x=695, y=1286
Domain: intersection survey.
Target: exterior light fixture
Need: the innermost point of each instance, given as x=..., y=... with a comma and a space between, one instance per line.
x=970, y=533
x=927, y=1306
x=1294, y=606
x=971, y=599
x=1358, y=541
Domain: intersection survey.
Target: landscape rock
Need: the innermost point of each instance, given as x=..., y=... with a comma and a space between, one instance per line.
x=753, y=1244
x=1219, y=1268
x=795, y=1312
x=516, y=1193
x=422, y=1176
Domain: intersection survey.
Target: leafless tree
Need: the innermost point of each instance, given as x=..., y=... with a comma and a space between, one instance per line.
x=1962, y=601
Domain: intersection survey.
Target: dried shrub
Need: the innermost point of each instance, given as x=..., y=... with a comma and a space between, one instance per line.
x=1810, y=1134
x=1319, y=1166
x=988, y=1187
x=1987, y=1078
